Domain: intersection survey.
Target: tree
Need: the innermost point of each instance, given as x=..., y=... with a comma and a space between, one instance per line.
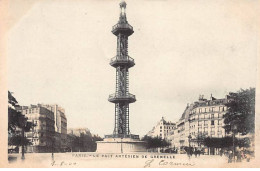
x=201, y=137
x=155, y=142
x=219, y=142
x=83, y=142
x=18, y=140
x=14, y=117
x=17, y=122
x=241, y=112
x=226, y=142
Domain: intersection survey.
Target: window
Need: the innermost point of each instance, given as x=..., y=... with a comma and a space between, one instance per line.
x=212, y=116
x=212, y=122
x=160, y=130
x=205, y=123
x=160, y=127
x=213, y=109
x=205, y=109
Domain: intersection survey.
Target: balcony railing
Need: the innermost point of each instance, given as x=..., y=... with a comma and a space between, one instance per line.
x=115, y=98
x=118, y=60
x=124, y=59
x=122, y=96
x=124, y=26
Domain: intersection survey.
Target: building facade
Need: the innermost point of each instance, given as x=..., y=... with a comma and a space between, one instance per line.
x=203, y=118
x=79, y=131
x=42, y=134
x=50, y=130
x=60, y=126
x=162, y=129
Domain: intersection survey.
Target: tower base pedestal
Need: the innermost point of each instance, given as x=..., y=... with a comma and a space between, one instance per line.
x=120, y=145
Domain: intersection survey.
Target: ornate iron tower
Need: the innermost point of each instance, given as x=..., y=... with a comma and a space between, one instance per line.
x=122, y=62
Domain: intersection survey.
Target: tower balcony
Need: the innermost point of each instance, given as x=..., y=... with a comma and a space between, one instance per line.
x=124, y=28
x=115, y=98
x=119, y=61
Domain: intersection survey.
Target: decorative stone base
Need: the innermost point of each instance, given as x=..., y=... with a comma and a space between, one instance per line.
x=120, y=145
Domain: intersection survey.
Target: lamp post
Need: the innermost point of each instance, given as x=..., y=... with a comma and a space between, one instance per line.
x=121, y=145
x=52, y=148
x=23, y=122
x=233, y=129
x=189, y=137
x=23, y=157
x=71, y=141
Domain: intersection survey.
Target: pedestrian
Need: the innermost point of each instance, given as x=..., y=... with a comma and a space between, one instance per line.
x=239, y=156
x=248, y=157
x=191, y=151
x=230, y=157
x=243, y=154
x=221, y=152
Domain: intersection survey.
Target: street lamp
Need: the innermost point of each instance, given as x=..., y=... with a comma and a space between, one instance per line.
x=52, y=150
x=233, y=129
x=121, y=145
x=23, y=122
x=189, y=137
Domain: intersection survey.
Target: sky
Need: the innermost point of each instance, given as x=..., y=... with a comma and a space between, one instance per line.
x=59, y=52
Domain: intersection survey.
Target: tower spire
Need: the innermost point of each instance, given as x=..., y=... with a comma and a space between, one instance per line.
x=122, y=18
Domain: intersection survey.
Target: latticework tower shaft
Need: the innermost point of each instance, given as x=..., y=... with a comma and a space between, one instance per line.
x=122, y=62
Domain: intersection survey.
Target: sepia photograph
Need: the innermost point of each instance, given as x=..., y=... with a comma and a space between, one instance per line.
x=129, y=84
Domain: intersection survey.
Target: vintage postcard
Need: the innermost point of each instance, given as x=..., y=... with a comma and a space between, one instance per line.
x=129, y=83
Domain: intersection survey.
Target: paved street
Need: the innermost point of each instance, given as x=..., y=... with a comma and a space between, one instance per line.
x=84, y=159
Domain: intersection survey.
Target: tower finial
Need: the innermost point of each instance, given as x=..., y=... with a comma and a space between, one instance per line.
x=122, y=4
x=122, y=18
